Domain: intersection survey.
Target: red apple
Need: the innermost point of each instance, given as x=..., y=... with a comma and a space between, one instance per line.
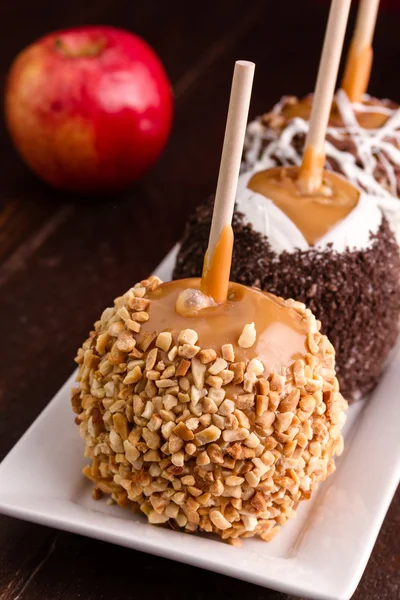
x=89, y=108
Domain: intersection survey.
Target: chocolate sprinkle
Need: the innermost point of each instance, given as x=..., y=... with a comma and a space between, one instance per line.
x=355, y=294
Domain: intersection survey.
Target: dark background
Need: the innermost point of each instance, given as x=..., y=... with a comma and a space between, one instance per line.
x=63, y=259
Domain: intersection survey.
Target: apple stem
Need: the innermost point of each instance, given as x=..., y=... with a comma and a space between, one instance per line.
x=92, y=48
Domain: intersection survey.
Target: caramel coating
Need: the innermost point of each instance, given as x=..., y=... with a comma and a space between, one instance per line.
x=281, y=334
x=314, y=215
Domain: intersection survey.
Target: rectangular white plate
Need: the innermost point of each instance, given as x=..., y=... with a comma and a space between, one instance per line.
x=321, y=554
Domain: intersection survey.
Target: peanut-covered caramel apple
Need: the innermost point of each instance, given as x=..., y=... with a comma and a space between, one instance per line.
x=220, y=419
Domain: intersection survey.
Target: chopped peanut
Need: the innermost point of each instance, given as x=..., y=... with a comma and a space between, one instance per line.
x=248, y=336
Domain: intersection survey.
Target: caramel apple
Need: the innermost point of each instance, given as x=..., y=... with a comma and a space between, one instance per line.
x=218, y=421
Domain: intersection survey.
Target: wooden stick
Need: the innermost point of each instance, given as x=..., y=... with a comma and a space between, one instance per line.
x=217, y=261
x=311, y=170
x=359, y=60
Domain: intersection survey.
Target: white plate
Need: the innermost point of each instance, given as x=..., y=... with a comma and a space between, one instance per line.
x=321, y=554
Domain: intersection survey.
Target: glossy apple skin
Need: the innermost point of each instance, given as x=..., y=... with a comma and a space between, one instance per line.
x=89, y=109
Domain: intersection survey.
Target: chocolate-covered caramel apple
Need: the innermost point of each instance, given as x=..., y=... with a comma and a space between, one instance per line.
x=349, y=277
x=310, y=234
x=207, y=405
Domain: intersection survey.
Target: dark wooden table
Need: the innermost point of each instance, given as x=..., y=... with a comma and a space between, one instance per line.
x=62, y=259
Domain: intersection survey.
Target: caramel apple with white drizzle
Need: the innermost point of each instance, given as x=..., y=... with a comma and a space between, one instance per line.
x=356, y=77
x=206, y=405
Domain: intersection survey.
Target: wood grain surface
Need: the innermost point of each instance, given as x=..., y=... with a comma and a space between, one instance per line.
x=63, y=258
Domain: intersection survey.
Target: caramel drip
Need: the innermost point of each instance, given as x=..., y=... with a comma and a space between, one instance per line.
x=357, y=73
x=367, y=120
x=315, y=214
x=217, y=267
x=281, y=333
